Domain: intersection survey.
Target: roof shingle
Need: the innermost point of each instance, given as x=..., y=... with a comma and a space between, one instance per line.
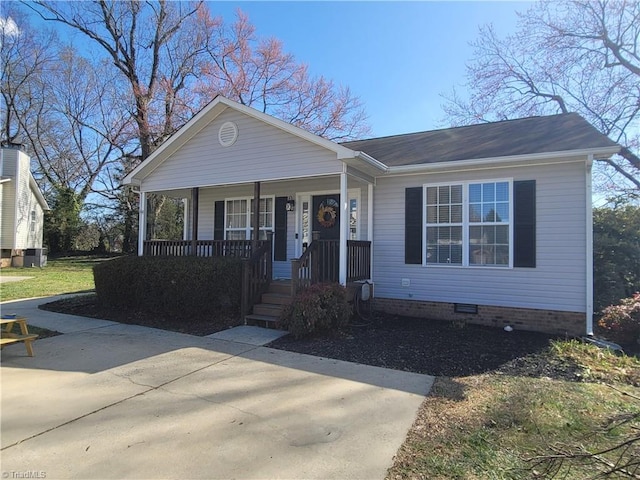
x=525, y=136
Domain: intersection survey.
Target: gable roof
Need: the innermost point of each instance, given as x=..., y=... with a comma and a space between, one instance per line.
x=211, y=111
x=525, y=136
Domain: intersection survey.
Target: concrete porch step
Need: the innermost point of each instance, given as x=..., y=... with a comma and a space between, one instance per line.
x=266, y=321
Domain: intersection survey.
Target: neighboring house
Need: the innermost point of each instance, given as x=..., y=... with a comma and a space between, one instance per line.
x=488, y=223
x=22, y=208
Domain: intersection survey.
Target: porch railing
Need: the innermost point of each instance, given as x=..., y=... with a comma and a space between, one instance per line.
x=320, y=263
x=204, y=248
x=256, y=276
x=358, y=260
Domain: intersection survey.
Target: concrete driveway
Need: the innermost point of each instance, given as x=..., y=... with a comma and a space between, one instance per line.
x=107, y=400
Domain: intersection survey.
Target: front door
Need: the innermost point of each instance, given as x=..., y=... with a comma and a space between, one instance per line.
x=326, y=221
x=326, y=216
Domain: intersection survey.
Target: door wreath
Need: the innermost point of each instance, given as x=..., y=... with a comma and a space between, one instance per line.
x=327, y=213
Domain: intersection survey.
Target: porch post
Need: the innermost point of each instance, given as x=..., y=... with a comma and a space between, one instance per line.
x=344, y=228
x=255, y=222
x=195, y=194
x=142, y=223
x=185, y=214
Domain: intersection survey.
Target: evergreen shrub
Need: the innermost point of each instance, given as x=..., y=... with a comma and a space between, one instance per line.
x=173, y=285
x=318, y=309
x=621, y=322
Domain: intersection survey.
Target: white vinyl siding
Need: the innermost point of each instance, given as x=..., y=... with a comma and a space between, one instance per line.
x=557, y=283
x=261, y=153
x=22, y=215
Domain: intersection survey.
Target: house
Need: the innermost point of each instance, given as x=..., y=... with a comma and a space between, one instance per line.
x=22, y=208
x=490, y=223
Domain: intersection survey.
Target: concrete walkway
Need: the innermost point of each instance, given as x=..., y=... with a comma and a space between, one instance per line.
x=5, y=279
x=107, y=400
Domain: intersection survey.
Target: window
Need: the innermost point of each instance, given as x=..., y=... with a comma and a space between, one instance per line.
x=468, y=224
x=238, y=218
x=353, y=219
x=489, y=223
x=444, y=224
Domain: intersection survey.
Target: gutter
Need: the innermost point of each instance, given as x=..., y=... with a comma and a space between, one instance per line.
x=368, y=159
x=406, y=169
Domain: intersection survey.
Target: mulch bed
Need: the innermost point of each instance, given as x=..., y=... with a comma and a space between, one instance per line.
x=88, y=306
x=401, y=343
x=435, y=348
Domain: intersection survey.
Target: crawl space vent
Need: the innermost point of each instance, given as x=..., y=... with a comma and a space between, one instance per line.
x=228, y=134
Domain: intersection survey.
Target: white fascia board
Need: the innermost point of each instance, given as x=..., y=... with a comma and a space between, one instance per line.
x=529, y=159
x=247, y=182
x=36, y=191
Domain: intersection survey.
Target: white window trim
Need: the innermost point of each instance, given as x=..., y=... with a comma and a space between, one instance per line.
x=249, y=227
x=466, y=224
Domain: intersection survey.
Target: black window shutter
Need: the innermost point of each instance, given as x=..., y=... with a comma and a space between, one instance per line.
x=280, y=237
x=218, y=220
x=524, y=224
x=413, y=225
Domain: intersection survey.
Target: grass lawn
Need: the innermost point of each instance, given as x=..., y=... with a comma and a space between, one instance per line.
x=493, y=426
x=60, y=275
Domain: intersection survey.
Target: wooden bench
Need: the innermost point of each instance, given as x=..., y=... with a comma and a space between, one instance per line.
x=7, y=336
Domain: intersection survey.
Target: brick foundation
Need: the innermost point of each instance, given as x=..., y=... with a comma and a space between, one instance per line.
x=547, y=321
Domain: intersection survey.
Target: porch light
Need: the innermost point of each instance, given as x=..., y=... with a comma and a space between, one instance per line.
x=291, y=204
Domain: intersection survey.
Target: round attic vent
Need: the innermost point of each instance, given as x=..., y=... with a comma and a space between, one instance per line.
x=228, y=134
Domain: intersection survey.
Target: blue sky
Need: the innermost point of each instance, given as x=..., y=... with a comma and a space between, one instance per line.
x=398, y=57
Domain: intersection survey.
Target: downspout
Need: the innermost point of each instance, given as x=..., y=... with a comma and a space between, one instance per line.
x=344, y=227
x=16, y=207
x=370, y=227
x=589, y=253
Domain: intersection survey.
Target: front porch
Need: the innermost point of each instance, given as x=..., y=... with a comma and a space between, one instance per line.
x=262, y=301
x=246, y=178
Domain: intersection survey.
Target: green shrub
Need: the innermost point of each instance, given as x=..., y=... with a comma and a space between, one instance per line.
x=173, y=285
x=621, y=323
x=318, y=309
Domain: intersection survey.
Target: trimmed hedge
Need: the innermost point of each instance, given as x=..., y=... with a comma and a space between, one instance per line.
x=171, y=285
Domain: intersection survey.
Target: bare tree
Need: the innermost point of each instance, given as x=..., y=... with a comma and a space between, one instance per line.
x=569, y=55
x=25, y=55
x=171, y=58
x=257, y=72
x=155, y=46
x=144, y=43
